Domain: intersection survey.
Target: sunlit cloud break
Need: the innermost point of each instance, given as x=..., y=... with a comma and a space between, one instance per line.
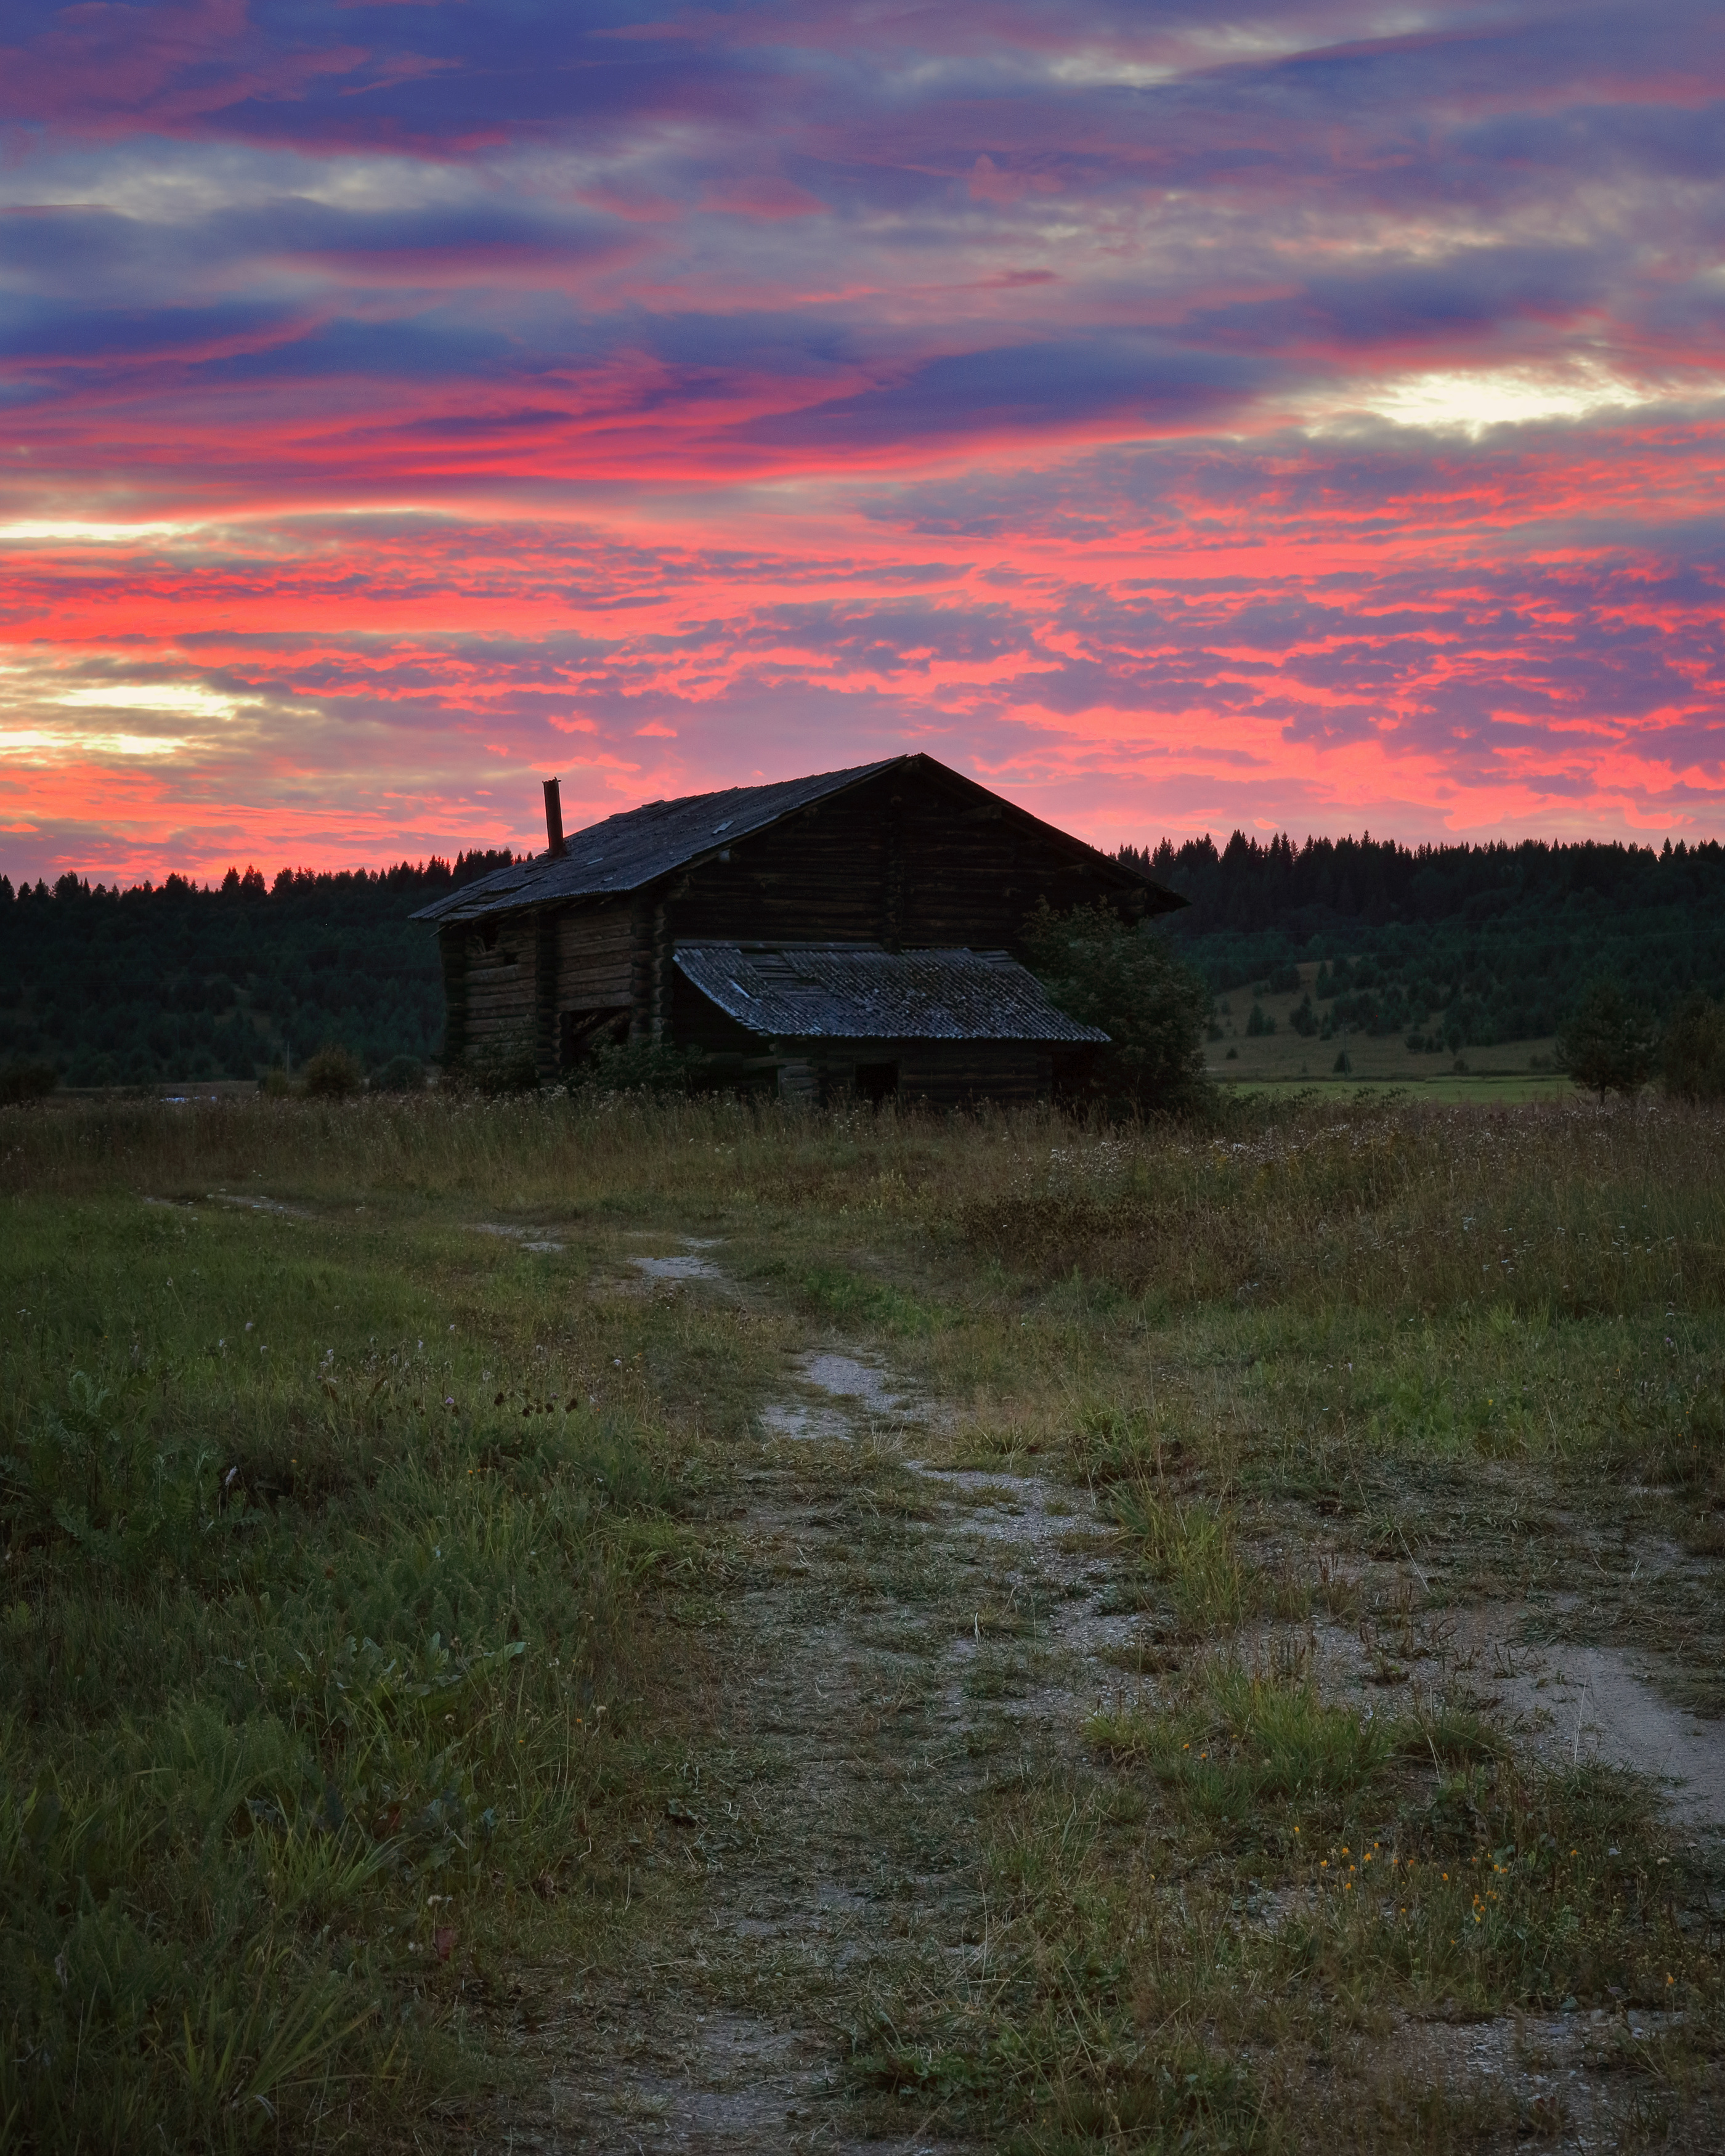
x=1311, y=420
x=38, y=742
x=1505, y=397
x=190, y=699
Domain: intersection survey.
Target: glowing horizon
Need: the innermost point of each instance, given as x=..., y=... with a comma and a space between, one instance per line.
x=1311, y=422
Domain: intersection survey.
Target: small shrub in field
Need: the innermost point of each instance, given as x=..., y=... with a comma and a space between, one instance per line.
x=493, y=1075
x=1692, y=1054
x=636, y=1066
x=26, y=1081
x=277, y=1085
x=333, y=1074
x=401, y=1074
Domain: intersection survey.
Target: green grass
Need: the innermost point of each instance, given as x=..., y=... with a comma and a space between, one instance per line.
x=324, y=1547
x=376, y=1590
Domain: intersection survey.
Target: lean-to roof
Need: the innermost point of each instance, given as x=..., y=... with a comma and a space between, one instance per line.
x=860, y=992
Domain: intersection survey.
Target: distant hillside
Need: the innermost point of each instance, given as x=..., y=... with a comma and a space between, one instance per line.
x=175, y=981
x=1459, y=945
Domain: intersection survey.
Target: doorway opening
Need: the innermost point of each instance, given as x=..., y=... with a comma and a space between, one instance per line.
x=876, y=1082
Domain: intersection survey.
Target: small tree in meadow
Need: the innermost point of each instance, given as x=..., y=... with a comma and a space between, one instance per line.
x=1692, y=1054
x=1153, y=1008
x=1610, y=1045
x=333, y=1074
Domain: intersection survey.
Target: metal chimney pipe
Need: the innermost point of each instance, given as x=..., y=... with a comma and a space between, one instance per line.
x=553, y=818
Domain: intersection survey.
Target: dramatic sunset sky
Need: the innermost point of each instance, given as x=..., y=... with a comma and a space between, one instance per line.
x=1310, y=417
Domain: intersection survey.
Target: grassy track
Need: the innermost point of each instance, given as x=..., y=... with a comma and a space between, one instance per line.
x=441, y=1702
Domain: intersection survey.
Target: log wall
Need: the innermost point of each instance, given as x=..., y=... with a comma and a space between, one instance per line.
x=500, y=1015
x=595, y=949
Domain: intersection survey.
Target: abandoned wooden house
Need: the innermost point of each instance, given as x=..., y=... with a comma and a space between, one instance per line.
x=856, y=931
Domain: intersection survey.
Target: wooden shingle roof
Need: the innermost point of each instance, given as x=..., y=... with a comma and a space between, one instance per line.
x=862, y=992
x=639, y=846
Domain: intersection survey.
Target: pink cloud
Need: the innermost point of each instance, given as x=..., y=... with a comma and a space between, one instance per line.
x=776, y=386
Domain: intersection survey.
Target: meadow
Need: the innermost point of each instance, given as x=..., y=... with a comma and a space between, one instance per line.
x=587, y=1622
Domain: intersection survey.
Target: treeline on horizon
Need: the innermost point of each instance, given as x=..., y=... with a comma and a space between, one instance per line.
x=180, y=980
x=1458, y=946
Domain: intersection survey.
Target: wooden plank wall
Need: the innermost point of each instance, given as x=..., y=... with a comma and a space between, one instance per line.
x=950, y=1073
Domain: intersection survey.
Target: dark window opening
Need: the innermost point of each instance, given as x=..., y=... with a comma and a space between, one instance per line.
x=876, y=1081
